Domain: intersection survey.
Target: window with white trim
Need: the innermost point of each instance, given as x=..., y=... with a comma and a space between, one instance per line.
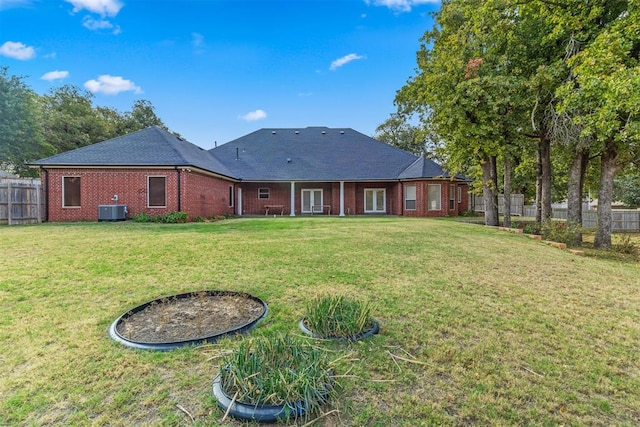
x=434, y=192
x=71, y=191
x=263, y=193
x=452, y=197
x=156, y=191
x=410, y=197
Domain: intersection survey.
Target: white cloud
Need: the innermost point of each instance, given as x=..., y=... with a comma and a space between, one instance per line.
x=101, y=7
x=10, y=4
x=99, y=24
x=344, y=60
x=400, y=5
x=17, y=50
x=254, y=115
x=55, y=75
x=111, y=85
x=197, y=39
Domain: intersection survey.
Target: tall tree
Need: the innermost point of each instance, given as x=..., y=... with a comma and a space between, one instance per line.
x=398, y=132
x=141, y=116
x=604, y=100
x=21, y=133
x=70, y=121
x=468, y=89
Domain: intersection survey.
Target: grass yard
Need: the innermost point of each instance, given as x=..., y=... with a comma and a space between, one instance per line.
x=478, y=326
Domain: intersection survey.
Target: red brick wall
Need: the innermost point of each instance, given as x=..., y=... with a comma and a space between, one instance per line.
x=279, y=194
x=201, y=195
x=204, y=195
x=422, y=198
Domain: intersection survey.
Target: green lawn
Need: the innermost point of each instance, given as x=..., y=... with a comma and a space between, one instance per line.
x=478, y=326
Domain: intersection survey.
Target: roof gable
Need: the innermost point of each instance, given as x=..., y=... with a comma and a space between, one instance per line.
x=152, y=146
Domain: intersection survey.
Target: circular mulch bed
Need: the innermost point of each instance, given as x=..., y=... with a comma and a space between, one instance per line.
x=189, y=318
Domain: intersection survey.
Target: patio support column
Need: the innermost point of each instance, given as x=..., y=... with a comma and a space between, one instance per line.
x=341, y=198
x=292, y=208
x=239, y=204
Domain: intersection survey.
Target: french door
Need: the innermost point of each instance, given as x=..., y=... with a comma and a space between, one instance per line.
x=311, y=198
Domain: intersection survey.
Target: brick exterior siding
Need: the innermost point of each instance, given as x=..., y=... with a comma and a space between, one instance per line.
x=204, y=195
x=201, y=195
x=354, y=197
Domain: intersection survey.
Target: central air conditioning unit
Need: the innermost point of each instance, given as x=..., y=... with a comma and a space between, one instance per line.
x=112, y=212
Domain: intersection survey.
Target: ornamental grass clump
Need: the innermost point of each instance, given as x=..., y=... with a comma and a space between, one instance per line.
x=278, y=370
x=338, y=316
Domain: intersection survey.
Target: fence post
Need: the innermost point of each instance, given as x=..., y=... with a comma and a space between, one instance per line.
x=39, y=206
x=9, y=202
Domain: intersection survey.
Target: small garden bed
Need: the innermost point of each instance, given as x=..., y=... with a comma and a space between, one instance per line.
x=273, y=378
x=339, y=317
x=188, y=318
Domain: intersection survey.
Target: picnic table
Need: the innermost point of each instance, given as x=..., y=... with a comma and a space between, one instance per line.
x=320, y=209
x=274, y=208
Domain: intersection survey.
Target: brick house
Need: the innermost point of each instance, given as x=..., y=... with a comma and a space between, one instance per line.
x=309, y=171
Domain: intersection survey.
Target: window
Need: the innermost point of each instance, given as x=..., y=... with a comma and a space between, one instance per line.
x=71, y=191
x=231, y=198
x=156, y=191
x=452, y=197
x=434, y=192
x=263, y=193
x=375, y=200
x=410, y=197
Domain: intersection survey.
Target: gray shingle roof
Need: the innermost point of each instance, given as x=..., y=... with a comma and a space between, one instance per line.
x=152, y=146
x=318, y=154
x=308, y=154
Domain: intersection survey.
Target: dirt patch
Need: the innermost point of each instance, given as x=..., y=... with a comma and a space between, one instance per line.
x=197, y=316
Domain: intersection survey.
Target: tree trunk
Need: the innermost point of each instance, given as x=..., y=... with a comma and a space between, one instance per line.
x=507, y=192
x=608, y=168
x=545, y=178
x=538, y=188
x=489, y=180
x=574, y=192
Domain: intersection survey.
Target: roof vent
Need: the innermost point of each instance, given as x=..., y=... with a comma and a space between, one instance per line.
x=273, y=132
x=289, y=160
x=341, y=132
x=297, y=132
x=323, y=132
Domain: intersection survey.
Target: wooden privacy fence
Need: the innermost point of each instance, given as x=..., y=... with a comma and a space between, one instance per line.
x=20, y=201
x=621, y=219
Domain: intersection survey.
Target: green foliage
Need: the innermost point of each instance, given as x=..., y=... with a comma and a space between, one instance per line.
x=627, y=190
x=278, y=370
x=175, y=218
x=21, y=128
x=338, y=316
x=144, y=217
x=168, y=218
x=561, y=232
x=198, y=219
x=626, y=245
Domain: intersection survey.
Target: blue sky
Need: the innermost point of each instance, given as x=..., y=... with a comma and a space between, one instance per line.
x=219, y=69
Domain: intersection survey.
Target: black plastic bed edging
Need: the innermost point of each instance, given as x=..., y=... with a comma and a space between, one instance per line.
x=253, y=412
x=372, y=330
x=165, y=346
x=256, y=412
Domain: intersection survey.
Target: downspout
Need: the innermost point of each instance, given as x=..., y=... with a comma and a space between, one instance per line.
x=45, y=172
x=179, y=195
